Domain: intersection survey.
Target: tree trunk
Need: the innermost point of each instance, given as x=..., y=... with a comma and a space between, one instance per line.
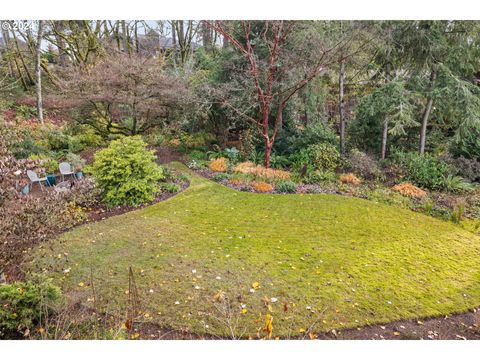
x=62, y=56
x=426, y=114
x=268, y=151
x=207, y=36
x=137, y=48
x=38, y=71
x=125, y=40
x=22, y=60
x=341, y=105
x=6, y=51
x=385, y=120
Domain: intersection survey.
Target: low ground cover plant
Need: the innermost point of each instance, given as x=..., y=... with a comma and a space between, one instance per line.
x=24, y=305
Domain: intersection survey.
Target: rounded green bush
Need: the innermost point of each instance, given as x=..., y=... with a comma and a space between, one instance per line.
x=286, y=187
x=324, y=157
x=24, y=304
x=126, y=172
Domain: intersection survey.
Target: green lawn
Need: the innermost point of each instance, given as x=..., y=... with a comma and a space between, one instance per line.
x=336, y=261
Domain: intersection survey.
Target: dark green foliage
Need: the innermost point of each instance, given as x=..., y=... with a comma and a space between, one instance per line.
x=219, y=177
x=324, y=157
x=126, y=172
x=393, y=101
x=456, y=184
x=24, y=305
x=293, y=139
x=316, y=176
x=424, y=171
x=170, y=188
x=232, y=154
x=286, y=187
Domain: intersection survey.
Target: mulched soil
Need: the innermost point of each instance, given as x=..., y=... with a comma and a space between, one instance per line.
x=101, y=212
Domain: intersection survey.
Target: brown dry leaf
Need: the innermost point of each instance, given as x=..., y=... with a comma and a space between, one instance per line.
x=285, y=307
x=312, y=336
x=219, y=296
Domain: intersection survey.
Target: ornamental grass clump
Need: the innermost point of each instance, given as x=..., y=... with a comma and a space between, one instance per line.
x=262, y=187
x=261, y=172
x=350, y=179
x=218, y=165
x=409, y=190
x=126, y=172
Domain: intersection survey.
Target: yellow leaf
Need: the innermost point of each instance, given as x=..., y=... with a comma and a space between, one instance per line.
x=244, y=311
x=396, y=333
x=255, y=285
x=268, y=328
x=219, y=296
x=135, y=336
x=81, y=284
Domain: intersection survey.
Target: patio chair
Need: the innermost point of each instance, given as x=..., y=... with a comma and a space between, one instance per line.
x=66, y=169
x=32, y=175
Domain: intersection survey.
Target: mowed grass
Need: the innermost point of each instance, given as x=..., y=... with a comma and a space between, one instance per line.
x=329, y=261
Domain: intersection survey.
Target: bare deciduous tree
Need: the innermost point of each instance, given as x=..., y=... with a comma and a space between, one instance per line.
x=123, y=95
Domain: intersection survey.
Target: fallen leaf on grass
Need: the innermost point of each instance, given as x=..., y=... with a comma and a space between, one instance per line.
x=268, y=328
x=219, y=296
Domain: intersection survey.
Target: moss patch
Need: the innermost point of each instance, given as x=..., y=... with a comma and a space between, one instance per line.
x=329, y=261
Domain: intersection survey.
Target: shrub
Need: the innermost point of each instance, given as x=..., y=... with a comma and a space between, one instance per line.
x=262, y=187
x=50, y=165
x=24, y=304
x=324, y=157
x=466, y=168
x=170, y=188
x=423, y=170
x=75, y=160
x=313, y=133
x=218, y=165
x=321, y=157
x=261, y=172
x=316, y=176
x=362, y=164
x=126, y=172
x=350, y=179
x=219, y=177
x=457, y=184
x=198, y=155
x=407, y=189
x=232, y=154
x=286, y=187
